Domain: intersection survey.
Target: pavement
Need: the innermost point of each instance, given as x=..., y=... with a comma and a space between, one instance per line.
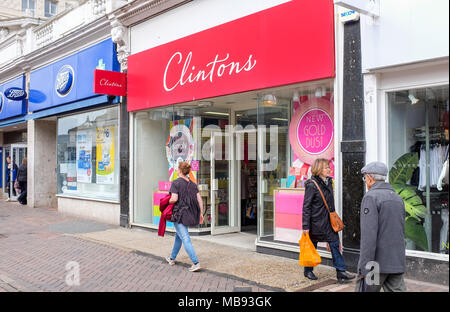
x=45, y=250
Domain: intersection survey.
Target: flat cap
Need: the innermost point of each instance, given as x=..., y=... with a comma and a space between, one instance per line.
x=376, y=167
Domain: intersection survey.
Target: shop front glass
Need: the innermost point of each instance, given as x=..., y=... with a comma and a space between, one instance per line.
x=250, y=154
x=88, y=155
x=418, y=162
x=295, y=127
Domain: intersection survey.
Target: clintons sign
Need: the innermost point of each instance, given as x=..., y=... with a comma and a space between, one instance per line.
x=110, y=82
x=211, y=71
x=289, y=43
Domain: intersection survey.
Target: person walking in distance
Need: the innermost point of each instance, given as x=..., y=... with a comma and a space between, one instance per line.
x=11, y=170
x=316, y=218
x=22, y=179
x=382, y=248
x=187, y=211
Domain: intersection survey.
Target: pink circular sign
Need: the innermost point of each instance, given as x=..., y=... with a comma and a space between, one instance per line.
x=315, y=131
x=311, y=131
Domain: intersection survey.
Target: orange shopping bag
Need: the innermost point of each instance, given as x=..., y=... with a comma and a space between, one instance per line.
x=309, y=257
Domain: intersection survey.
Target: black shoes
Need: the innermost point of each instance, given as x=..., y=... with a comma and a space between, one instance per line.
x=310, y=275
x=344, y=277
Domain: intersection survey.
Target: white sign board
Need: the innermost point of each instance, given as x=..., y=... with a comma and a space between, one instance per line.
x=346, y=15
x=368, y=7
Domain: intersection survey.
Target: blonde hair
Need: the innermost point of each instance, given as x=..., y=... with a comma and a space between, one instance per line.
x=24, y=161
x=318, y=165
x=184, y=167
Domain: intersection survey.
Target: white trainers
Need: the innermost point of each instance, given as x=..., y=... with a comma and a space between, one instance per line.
x=195, y=267
x=170, y=261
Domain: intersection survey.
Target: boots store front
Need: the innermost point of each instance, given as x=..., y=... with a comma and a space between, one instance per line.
x=249, y=102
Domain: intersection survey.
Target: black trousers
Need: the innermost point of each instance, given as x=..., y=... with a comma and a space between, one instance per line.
x=23, y=186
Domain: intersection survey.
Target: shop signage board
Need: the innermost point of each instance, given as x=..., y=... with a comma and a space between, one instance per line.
x=13, y=100
x=290, y=43
x=110, y=82
x=71, y=78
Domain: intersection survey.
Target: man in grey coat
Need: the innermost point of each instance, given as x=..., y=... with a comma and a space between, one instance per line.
x=382, y=260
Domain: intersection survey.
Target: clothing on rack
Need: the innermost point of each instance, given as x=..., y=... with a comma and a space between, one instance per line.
x=443, y=177
x=437, y=159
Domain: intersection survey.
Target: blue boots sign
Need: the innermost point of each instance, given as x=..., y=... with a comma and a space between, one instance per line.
x=15, y=94
x=70, y=79
x=13, y=98
x=64, y=80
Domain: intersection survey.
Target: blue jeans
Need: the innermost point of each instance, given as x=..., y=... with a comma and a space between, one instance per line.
x=338, y=259
x=182, y=237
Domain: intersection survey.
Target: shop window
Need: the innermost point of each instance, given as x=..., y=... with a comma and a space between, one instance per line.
x=247, y=157
x=303, y=118
x=418, y=152
x=166, y=136
x=88, y=155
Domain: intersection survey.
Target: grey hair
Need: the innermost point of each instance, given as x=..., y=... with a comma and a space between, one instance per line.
x=378, y=177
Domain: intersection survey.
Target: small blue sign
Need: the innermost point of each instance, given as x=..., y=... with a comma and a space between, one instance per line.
x=15, y=94
x=16, y=104
x=64, y=80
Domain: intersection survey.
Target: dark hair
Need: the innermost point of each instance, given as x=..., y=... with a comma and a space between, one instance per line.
x=184, y=167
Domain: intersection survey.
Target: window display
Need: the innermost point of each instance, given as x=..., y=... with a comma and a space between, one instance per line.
x=418, y=155
x=87, y=155
x=305, y=119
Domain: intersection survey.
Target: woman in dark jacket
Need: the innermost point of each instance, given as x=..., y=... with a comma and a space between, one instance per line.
x=187, y=211
x=316, y=219
x=22, y=175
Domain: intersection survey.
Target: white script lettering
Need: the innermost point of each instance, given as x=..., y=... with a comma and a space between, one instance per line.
x=218, y=67
x=106, y=82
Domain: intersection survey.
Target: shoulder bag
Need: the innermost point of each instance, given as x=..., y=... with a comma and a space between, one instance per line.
x=336, y=222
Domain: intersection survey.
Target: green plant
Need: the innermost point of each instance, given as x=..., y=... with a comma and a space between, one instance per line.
x=400, y=173
x=413, y=203
x=403, y=168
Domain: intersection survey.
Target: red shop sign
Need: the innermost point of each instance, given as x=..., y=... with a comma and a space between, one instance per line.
x=289, y=43
x=110, y=82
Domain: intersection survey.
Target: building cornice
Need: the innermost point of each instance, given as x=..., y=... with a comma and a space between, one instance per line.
x=79, y=39
x=140, y=10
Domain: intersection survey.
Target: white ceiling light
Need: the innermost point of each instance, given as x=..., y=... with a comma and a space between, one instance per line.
x=412, y=98
x=205, y=104
x=217, y=113
x=280, y=119
x=269, y=100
